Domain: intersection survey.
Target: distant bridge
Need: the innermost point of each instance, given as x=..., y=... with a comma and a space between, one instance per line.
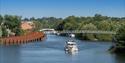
x=87, y=31
x=78, y=31
x=48, y=31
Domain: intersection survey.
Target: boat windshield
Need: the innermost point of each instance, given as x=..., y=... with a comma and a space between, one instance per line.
x=71, y=43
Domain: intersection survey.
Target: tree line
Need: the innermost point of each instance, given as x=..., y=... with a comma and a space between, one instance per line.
x=11, y=23
x=96, y=22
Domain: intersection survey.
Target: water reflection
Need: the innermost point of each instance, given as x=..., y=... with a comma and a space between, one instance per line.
x=10, y=54
x=120, y=58
x=71, y=53
x=51, y=50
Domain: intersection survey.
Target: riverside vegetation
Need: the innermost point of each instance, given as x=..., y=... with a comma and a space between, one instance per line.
x=97, y=22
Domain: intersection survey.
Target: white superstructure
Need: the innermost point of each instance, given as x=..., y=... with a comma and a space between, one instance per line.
x=71, y=47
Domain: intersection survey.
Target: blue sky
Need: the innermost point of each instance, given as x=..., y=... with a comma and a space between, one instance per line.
x=62, y=8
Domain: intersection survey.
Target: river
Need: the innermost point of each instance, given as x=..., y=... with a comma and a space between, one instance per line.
x=51, y=50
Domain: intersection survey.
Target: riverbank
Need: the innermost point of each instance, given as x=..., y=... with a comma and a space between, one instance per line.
x=92, y=37
x=117, y=50
x=119, y=47
x=17, y=40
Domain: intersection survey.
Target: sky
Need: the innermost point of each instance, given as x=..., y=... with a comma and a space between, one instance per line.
x=62, y=8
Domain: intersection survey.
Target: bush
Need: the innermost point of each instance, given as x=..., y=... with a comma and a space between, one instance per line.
x=119, y=46
x=120, y=36
x=5, y=33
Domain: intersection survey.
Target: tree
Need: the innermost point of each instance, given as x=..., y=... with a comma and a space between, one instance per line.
x=99, y=17
x=1, y=32
x=38, y=25
x=12, y=23
x=71, y=23
x=4, y=32
x=1, y=19
x=120, y=36
x=32, y=19
x=26, y=19
x=115, y=19
x=89, y=26
x=60, y=27
x=104, y=25
x=119, y=46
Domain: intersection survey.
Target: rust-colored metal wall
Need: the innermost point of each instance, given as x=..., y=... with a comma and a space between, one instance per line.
x=17, y=40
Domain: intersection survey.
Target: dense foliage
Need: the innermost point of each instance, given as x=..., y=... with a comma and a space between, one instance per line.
x=97, y=22
x=120, y=36
x=10, y=23
x=119, y=40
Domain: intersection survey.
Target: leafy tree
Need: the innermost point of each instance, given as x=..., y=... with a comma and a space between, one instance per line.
x=32, y=19
x=89, y=26
x=25, y=19
x=99, y=17
x=120, y=36
x=71, y=23
x=115, y=19
x=60, y=27
x=5, y=33
x=18, y=31
x=1, y=32
x=38, y=25
x=12, y=22
x=1, y=19
x=104, y=25
x=120, y=41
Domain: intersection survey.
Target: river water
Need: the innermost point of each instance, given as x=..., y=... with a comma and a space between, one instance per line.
x=51, y=50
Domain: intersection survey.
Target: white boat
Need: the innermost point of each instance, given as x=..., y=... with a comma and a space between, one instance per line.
x=71, y=47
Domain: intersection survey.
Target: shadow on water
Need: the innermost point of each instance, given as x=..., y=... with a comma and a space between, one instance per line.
x=120, y=58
